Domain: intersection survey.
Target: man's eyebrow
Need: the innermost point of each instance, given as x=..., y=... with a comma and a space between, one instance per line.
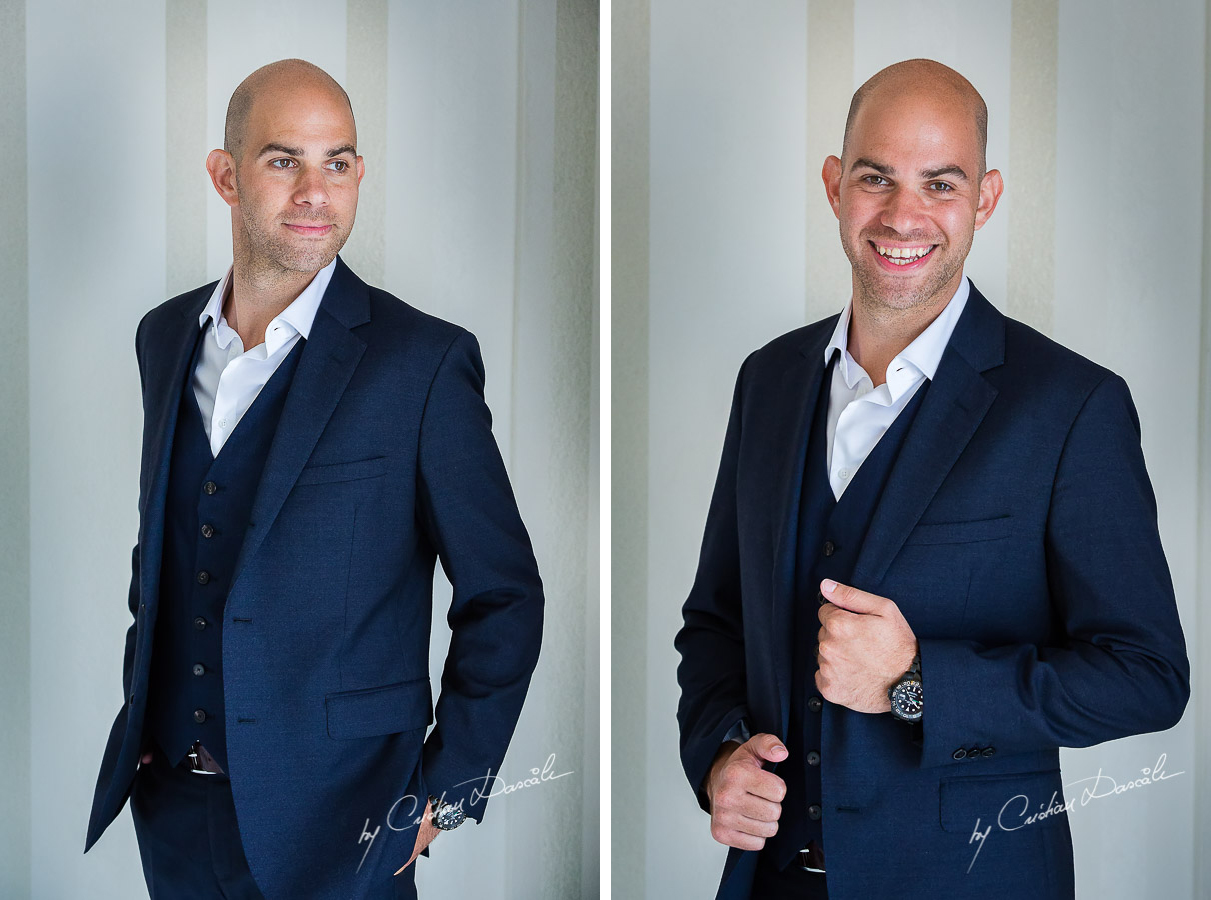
x=280, y=148
x=298, y=151
x=864, y=163
x=945, y=170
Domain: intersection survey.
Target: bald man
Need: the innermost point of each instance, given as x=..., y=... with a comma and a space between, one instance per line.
x=311, y=446
x=931, y=558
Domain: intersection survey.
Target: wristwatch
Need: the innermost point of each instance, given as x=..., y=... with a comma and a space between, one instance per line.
x=907, y=695
x=446, y=816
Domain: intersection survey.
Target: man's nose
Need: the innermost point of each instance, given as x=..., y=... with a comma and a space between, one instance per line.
x=903, y=211
x=311, y=189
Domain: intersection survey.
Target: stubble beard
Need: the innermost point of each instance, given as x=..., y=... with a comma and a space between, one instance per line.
x=878, y=291
x=271, y=249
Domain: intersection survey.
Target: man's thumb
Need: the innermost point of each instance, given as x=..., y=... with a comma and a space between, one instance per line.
x=766, y=747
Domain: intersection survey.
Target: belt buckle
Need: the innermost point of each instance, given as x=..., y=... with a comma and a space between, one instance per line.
x=811, y=859
x=199, y=759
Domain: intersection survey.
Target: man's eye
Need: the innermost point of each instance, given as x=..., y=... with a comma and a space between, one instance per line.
x=941, y=187
x=340, y=165
x=876, y=180
x=284, y=163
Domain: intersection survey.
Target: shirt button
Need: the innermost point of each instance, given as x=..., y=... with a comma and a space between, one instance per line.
x=199, y=716
x=222, y=423
x=198, y=668
x=815, y=704
x=199, y=623
x=959, y=754
x=203, y=577
x=814, y=812
x=207, y=531
x=210, y=487
x=844, y=473
x=813, y=758
x=829, y=548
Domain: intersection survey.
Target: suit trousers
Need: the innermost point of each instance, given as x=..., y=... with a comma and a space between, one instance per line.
x=189, y=839
x=792, y=883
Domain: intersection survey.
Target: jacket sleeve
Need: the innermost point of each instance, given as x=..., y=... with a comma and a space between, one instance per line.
x=468, y=511
x=1118, y=665
x=711, y=639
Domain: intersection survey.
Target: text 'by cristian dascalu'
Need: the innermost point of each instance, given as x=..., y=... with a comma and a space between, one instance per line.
x=1015, y=814
x=408, y=811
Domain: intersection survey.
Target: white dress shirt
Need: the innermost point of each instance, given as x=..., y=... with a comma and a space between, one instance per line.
x=859, y=413
x=228, y=379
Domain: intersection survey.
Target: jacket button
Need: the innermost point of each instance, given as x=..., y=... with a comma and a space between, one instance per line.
x=199, y=716
x=210, y=487
x=959, y=754
x=198, y=668
x=820, y=601
x=203, y=577
x=829, y=548
x=988, y=751
x=207, y=531
x=973, y=753
x=815, y=704
x=199, y=623
x=813, y=758
x=132, y=699
x=814, y=812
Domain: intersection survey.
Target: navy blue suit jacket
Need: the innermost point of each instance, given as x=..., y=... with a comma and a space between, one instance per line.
x=383, y=461
x=1018, y=535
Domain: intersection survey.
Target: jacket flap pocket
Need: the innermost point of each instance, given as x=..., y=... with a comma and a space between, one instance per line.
x=1007, y=802
x=343, y=471
x=961, y=532
x=379, y=710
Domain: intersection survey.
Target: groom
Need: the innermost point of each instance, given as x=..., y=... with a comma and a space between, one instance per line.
x=311, y=446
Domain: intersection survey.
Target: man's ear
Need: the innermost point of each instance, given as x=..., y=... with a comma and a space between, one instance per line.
x=361, y=170
x=991, y=187
x=221, y=166
x=831, y=173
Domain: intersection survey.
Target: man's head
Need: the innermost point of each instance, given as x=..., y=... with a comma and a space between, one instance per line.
x=289, y=169
x=911, y=183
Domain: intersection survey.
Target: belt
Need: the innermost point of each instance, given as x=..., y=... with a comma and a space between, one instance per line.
x=811, y=858
x=200, y=762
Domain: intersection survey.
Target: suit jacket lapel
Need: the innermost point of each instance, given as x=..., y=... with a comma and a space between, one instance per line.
x=949, y=415
x=331, y=354
x=165, y=379
x=801, y=385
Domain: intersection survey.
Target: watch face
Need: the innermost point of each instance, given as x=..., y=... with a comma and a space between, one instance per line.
x=908, y=700
x=448, y=816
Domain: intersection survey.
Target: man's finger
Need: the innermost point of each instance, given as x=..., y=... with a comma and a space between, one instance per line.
x=765, y=747
x=851, y=598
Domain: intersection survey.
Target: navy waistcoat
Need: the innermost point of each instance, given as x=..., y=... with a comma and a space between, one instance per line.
x=831, y=533
x=208, y=504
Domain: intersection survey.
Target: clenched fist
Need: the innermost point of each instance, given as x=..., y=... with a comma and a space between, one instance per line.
x=746, y=801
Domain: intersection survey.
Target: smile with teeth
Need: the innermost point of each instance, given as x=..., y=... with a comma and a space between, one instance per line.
x=902, y=256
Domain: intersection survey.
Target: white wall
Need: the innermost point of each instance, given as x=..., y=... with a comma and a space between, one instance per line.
x=737, y=223
x=479, y=208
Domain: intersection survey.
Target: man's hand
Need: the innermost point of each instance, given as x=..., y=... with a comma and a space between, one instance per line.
x=746, y=801
x=865, y=645
x=424, y=836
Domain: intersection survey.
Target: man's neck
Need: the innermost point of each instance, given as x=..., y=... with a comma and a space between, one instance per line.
x=254, y=299
x=879, y=333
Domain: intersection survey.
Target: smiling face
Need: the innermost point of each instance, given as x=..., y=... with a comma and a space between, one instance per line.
x=292, y=180
x=911, y=191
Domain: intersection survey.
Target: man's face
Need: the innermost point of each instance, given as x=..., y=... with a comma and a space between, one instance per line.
x=296, y=180
x=910, y=197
